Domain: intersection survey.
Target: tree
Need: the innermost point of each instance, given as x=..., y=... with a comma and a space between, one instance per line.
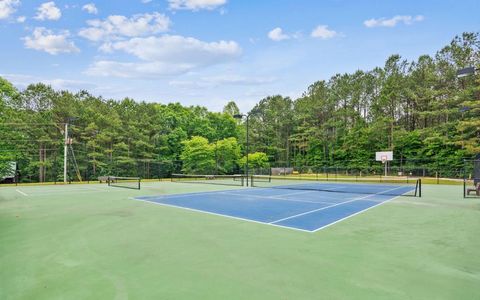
x=227, y=153
x=256, y=160
x=418, y=108
x=231, y=109
x=198, y=156
x=7, y=93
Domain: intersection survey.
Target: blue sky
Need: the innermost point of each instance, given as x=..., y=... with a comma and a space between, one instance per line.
x=208, y=52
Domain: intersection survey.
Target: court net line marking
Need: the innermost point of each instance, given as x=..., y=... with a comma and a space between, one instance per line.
x=20, y=192
x=276, y=198
x=323, y=208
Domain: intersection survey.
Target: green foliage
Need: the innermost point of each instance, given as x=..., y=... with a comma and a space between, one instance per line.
x=257, y=160
x=418, y=109
x=231, y=109
x=227, y=153
x=198, y=156
x=201, y=157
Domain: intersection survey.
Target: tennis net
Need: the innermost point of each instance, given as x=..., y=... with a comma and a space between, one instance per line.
x=124, y=182
x=234, y=180
x=382, y=186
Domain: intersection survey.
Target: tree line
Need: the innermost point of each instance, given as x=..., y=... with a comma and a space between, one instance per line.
x=419, y=109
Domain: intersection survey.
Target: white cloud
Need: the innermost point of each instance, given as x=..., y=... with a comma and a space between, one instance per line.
x=215, y=81
x=239, y=80
x=48, y=11
x=146, y=1
x=179, y=49
x=195, y=4
x=277, y=34
x=67, y=84
x=90, y=8
x=114, y=27
x=8, y=7
x=43, y=39
x=165, y=55
x=21, y=19
x=392, y=22
x=136, y=70
x=322, y=32
x=22, y=81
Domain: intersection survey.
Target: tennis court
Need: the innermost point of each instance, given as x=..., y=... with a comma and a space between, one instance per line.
x=295, y=204
x=61, y=235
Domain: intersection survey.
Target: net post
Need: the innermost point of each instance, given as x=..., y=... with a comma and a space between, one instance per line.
x=420, y=188
x=464, y=178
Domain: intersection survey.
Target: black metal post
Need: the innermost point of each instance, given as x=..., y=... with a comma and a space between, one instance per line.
x=246, y=171
x=464, y=178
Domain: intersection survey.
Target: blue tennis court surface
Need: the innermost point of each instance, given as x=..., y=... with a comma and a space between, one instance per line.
x=307, y=210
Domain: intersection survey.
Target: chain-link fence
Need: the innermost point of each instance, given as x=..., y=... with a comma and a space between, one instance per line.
x=47, y=166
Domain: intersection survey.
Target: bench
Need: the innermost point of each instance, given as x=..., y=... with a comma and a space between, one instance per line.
x=476, y=189
x=102, y=179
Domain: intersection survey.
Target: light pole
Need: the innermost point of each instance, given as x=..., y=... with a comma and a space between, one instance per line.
x=240, y=116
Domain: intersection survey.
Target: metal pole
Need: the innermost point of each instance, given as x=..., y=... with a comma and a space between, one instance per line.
x=216, y=156
x=65, y=153
x=246, y=171
x=464, y=178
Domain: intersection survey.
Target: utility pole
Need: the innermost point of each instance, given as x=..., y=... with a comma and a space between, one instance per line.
x=65, y=153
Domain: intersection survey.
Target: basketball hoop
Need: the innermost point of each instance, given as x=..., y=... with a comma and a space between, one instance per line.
x=384, y=157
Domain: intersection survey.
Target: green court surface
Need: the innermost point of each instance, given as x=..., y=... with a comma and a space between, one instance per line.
x=95, y=242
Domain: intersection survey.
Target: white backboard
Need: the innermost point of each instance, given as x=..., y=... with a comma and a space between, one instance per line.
x=384, y=156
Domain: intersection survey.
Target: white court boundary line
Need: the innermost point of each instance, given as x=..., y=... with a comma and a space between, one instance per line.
x=354, y=214
x=40, y=194
x=20, y=192
x=181, y=195
x=221, y=215
x=276, y=198
x=273, y=223
x=323, y=208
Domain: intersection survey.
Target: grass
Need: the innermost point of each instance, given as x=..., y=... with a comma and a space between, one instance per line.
x=93, y=242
